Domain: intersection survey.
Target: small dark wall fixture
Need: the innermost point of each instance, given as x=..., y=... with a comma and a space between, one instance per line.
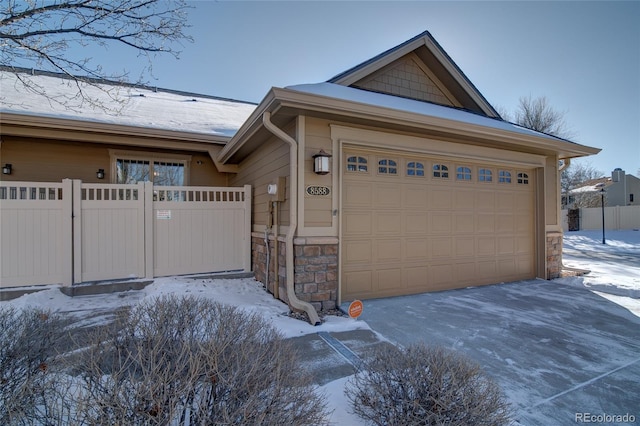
x=6, y=169
x=100, y=174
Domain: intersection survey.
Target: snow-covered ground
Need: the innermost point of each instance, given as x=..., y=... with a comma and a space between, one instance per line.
x=614, y=266
x=615, y=275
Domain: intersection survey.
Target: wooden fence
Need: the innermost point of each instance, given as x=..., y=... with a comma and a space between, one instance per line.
x=73, y=232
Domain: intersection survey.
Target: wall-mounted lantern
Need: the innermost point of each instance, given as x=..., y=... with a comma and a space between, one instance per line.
x=321, y=163
x=100, y=174
x=6, y=170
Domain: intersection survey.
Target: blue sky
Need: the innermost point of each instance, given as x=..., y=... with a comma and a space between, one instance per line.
x=583, y=56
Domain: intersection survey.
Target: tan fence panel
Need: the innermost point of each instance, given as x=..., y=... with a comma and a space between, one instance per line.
x=630, y=217
x=201, y=229
x=615, y=218
x=112, y=232
x=33, y=220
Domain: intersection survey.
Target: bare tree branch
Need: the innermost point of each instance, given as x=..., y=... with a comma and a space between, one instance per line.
x=537, y=114
x=42, y=34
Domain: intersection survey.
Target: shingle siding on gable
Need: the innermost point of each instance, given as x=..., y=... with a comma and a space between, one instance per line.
x=405, y=78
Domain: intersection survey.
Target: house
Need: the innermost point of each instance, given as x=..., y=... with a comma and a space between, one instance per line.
x=426, y=189
x=620, y=189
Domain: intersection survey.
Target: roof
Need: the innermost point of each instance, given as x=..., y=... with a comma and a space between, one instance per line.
x=436, y=58
x=409, y=105
x=128, y=105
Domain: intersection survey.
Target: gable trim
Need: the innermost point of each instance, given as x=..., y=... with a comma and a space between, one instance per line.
x=425, y=39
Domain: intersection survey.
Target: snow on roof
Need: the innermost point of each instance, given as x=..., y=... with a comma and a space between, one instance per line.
x=124, y=105
x=594, y=185
x=409, y=105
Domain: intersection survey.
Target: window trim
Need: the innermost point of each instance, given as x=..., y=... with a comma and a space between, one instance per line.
x=151, y=157
x=357, y=163
x=441, y=169
x=467, y=171
x=387, y=166
x=418, y=166
x=502, y=179
x=482, y=177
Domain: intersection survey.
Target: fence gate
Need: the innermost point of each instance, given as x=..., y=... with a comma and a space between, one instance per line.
x=72, y=232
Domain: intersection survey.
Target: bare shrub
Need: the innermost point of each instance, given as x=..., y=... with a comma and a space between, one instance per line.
x=423, y=385
x=27, y=365
x=193, y=361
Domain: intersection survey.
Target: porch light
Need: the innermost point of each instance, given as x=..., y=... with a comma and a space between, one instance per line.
x=321, y=163
x=100, y=174
x=6, y=170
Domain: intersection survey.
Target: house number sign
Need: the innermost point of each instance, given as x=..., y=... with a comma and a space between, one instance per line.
x=316, y=190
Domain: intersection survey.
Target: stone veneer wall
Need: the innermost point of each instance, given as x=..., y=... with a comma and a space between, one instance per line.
x=315, y=268
x=554, y=255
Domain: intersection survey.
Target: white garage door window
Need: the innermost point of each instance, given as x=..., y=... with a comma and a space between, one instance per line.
x=412, y=224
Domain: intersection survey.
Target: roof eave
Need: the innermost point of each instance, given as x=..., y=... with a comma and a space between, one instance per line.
x=282, y=98
x=27, y=124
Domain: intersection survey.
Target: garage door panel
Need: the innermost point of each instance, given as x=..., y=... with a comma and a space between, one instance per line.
x=505, y=223
x=487, y=270
x=505, y=245
x=389, y=279
x=416, y=277
x=415, y=196
x=387, y=250
x=358, y=223
x=441, y=247
x=505, y=201
x=387, y=196
x=440, y=199
x=358, y=282
x=440, y=223
x=440, y=274
x=416, y=249
x=463, y=222
x=485, y=246
x=463, y=200
x=525, y=266
x=485, y=201
x=416, y=223
x=465, y=272
x=407, y=234
x=485, y=223
x=387, y=223
x=465, y=246
x=357, y=252
x=507, y=267
x=359, y=194
x=524, y=244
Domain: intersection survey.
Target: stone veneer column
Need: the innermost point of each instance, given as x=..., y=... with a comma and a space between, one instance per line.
x=315, y=269
x=554, y=255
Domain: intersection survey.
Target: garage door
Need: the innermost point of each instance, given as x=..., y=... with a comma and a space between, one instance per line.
x=413, y=224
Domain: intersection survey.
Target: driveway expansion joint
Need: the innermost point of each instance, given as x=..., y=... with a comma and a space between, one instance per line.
x=341, y=349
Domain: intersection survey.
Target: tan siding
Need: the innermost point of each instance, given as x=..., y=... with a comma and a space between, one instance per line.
x=51, y=161
x=261, y=168
x=317, y=211
x=40, y=161
x=405, y=78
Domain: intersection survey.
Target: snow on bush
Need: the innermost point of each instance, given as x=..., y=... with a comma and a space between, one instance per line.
x=423, y=385
x=182, y=361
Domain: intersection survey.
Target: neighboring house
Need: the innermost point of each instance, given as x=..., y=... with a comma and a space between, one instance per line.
x=427, y=189
x=620, y=189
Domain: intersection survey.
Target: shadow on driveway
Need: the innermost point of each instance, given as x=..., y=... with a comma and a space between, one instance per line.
x=557, y=351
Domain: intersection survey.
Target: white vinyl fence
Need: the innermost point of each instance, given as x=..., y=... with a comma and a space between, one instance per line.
x=72, y=232
x=615, y=218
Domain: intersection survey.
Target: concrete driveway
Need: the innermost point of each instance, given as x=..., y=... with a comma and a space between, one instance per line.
x=563, y=355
